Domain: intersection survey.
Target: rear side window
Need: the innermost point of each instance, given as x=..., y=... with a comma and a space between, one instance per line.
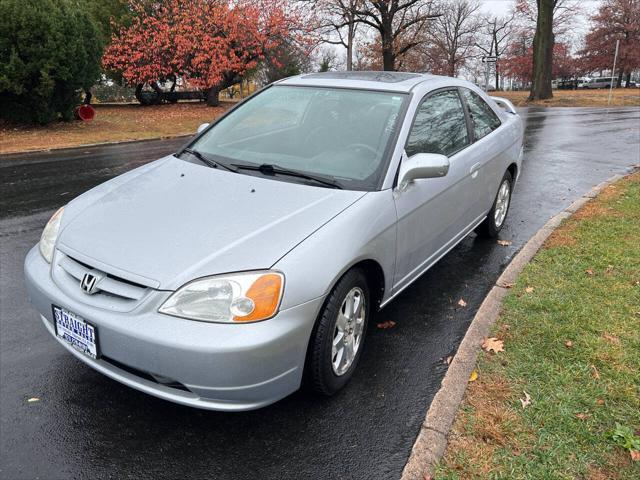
x=439, y=125
x=483, y=118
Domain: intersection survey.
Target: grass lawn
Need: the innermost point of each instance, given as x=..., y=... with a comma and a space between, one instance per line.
x=571, y=333
x=112, y=123
x=578, y=98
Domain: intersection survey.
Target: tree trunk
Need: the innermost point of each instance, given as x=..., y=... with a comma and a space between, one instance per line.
x=388, y=58
x=542, y=52
x=388, y=55
x=350, y=36
x=619, y=80
x=628, y=80
x=213, y=97
x=138, y=93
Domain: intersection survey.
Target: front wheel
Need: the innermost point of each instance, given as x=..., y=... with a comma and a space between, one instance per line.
x=338, y=337
x=494, y=222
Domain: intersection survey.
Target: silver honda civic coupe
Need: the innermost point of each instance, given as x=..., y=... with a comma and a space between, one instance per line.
x=250, y=261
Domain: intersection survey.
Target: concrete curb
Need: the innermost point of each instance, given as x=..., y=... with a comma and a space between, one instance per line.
x=98, y=144
x=430, y=445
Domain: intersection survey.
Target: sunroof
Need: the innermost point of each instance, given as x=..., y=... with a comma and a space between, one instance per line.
x=386, y=77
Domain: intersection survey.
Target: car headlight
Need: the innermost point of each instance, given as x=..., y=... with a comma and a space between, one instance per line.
x=49, y=235
x=241, y=297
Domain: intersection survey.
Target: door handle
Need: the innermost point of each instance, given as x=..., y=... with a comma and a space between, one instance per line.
x=474, y=169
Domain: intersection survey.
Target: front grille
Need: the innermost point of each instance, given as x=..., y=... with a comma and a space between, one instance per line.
x=111, y=292
x=116, y=286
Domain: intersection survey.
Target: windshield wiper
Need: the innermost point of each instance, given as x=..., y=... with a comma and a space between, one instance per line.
x=208, y=161
x=269, y=169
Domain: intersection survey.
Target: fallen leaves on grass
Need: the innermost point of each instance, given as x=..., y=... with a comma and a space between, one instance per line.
x=589, y=271
x=582, y=415
x=635, y=455
x=600, y=401
x=386, y=324
x=474, y=376
x=611, y=338
x=594, y=372
x=493, y=344
x=526, y=401
x=462, y=303
x=504, y=243
x=568, y=344
x=529, y=289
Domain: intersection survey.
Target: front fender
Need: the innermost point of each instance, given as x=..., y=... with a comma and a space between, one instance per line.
x=364, y=231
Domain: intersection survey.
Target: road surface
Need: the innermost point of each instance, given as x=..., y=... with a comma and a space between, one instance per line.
x=88, y=426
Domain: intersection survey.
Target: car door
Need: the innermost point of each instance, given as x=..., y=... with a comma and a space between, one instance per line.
x=486, y=155
x=434, y=213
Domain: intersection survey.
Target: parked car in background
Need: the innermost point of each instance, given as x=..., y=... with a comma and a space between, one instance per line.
x=600, y=82
x=222, y=276
x=571, y=84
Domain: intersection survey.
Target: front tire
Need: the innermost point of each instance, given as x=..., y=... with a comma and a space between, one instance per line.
x=494, y=222
x=338, y=337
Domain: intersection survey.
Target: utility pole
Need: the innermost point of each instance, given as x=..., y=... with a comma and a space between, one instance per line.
x=613, y=72
x=487, y=67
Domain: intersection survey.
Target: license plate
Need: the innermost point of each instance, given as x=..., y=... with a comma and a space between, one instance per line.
x=74, y=330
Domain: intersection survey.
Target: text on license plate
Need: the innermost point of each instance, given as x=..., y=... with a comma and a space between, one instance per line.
x=75, y=331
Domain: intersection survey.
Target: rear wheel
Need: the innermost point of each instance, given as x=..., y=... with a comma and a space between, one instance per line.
x=338, y=337
x=494, y=222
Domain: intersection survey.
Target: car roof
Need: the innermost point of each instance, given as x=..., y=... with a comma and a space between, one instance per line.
x=377, y=80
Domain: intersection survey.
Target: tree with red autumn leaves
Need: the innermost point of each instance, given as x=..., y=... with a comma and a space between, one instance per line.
x=518, y=62
x=615, y=20
x=210, y=43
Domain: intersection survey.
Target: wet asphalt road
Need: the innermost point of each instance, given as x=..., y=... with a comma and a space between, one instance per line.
x=87, y=426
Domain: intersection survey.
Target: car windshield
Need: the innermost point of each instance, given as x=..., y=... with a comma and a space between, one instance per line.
x=332, y=133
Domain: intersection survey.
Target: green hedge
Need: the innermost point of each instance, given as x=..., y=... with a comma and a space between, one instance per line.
x=49, y=51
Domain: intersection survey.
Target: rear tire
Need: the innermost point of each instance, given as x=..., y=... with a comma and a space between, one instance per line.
x=338, y=337
x=496, y=217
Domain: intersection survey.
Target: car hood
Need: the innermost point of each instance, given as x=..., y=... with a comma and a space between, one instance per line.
x=178, y=221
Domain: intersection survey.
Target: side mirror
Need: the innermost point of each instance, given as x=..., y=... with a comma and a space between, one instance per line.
x=423, y=165
x=202, y=127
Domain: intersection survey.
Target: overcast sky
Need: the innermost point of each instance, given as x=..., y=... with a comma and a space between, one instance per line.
x=502, y=7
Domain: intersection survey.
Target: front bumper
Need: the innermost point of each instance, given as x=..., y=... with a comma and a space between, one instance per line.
x=228, y=367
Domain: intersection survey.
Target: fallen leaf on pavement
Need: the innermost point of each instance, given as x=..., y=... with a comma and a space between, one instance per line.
x=387, y=324
x=568, y=344
x=504, y=243
x=448, y=360
x=529, y=289
x=474, y=376
x=526, y=401
x=635, y=455
x=494, y=344
x=462, y=303
x=33, y=399
x=506, y=285
x=595, y=373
